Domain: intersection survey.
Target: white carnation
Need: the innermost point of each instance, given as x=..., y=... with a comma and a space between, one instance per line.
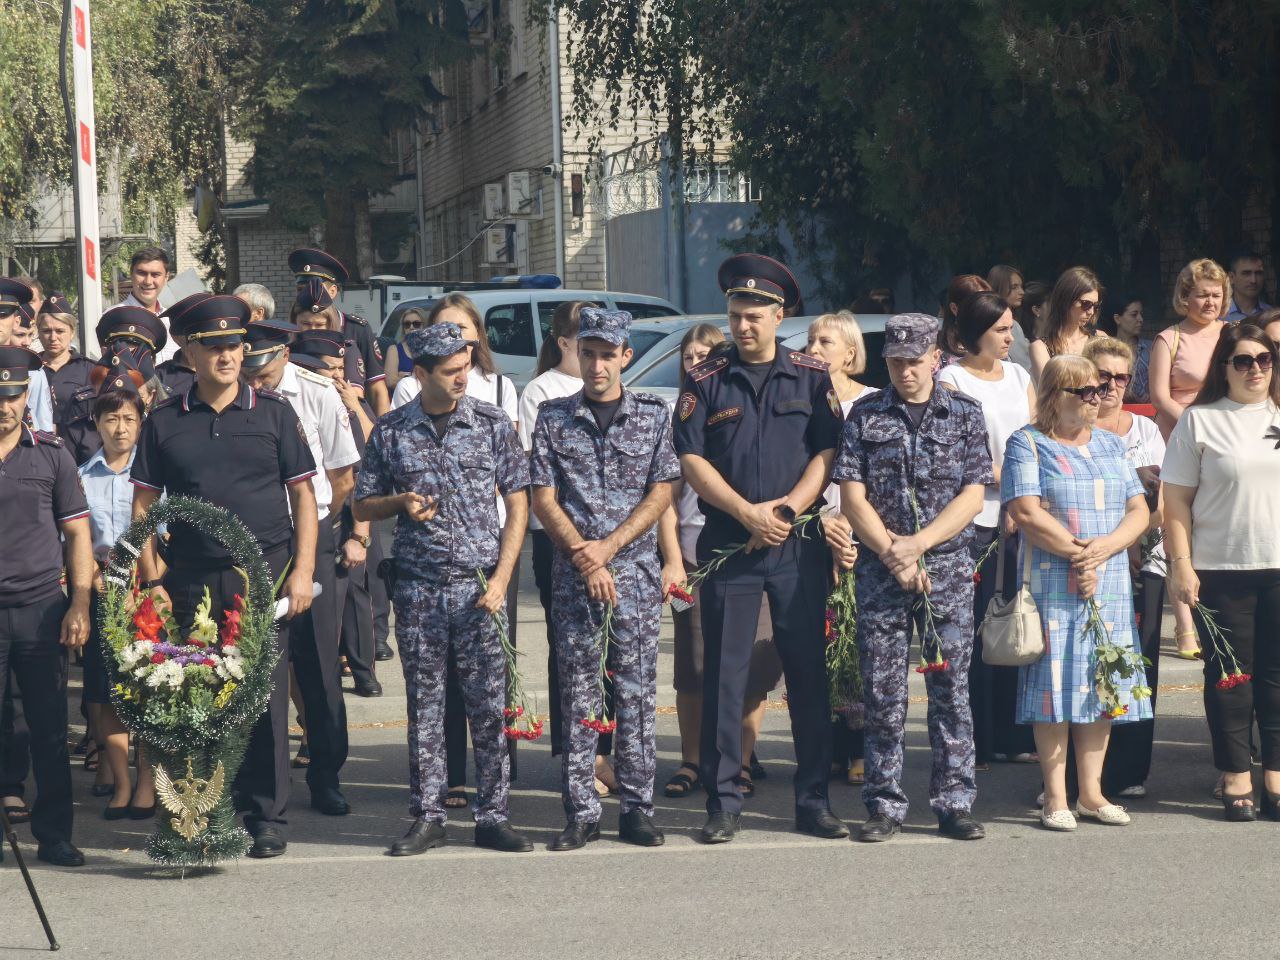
x=167, y=674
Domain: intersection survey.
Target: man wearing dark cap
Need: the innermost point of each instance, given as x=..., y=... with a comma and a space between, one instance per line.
x=14, y=294
x=66, y=369
x=245, y=452
x=320, y=278
x=313, y=637
x=912, y=465
x=434, y=465
x=46, y=526
x=602, y=466
x=756, y=428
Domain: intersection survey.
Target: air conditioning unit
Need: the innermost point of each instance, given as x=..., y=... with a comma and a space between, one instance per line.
x=499, y=246
x=520, y=198
x=393, y=253
x=494, y=206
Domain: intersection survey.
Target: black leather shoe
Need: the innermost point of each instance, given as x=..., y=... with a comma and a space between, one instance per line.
x=502, y=836
x=385, y=652
x=422, y=836
x=267, y=842
x=61, y=853
x=719, y=828
x=330, y=802
x=371, y=689
x=959, y=825
x=878, y=829
x=638, y=828
x=115, y=813
x=821, y=823
x=575, y=836
x=141, y=813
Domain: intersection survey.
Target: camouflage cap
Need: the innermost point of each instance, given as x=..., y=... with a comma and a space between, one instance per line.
x=437, y=340
x=909, y=335
x=611, y=326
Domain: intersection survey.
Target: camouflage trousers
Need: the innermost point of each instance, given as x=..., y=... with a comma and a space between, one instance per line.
x=433, y=617
x=886, y=618
x=633, y=659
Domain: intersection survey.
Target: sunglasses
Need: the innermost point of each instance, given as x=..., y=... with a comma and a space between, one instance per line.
x=1087, y=394
x=1088, y=306
x=1243, y=362
x=1119, y=379
x=412, y=325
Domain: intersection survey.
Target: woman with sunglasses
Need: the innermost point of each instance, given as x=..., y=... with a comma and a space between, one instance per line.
x=1067, y=322
x=1222, y=501
x=398, y=364
x=1079, y=504
x=1128, y=763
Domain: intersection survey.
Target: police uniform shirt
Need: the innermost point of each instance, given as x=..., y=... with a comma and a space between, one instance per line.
x=63, y=384
x=39, y=489
x=937, y=460
x=356, y=329
x=40, y=402
x=600, y=478
x=325, y=422
x=240, y=459
x=478, y=452
x=176, y=376
x=760, y=443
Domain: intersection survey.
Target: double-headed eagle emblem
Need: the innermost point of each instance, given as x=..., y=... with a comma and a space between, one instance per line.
x=190, y=798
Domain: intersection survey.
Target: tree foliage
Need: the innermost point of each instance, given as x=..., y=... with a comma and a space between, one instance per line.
x=325, y=85
x=898, y=136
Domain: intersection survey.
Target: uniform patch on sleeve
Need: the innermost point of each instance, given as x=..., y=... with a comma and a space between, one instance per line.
x=720, y=416
x=833, y=401
x=687, y=404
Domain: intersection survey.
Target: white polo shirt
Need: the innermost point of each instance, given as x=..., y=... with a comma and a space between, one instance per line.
x=326, y=424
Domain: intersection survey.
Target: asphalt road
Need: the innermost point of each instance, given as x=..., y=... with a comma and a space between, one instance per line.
x=1178, y=882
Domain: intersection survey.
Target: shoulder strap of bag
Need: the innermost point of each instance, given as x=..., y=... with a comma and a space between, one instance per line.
x=1025, y=547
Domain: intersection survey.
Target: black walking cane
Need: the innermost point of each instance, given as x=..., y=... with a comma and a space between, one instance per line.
x=31, y=887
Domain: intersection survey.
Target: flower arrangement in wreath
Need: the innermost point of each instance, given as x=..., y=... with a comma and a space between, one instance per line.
x=193, y=699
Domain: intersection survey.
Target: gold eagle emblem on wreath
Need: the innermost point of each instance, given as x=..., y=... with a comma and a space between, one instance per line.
x=190, y=797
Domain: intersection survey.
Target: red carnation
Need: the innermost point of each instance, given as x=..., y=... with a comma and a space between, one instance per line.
x=158, y=658
x=207, y=662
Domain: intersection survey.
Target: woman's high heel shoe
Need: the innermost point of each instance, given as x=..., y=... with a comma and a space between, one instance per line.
x=1239, y=808
x=1270, y=804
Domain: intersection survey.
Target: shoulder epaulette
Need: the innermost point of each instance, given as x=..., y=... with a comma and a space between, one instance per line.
x=44, y=436
x=649, y=398
x=167, y=402
x=804, y=360
x=964, y=398
x=272, y=395
x=355, y=319
x=313, y=377
x=490, y=410
x=707, y=368
x=84, y=393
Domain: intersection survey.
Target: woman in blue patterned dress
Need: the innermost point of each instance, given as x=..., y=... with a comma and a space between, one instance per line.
x=1079, y=504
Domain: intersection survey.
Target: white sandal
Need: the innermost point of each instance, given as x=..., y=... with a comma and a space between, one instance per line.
x=1111, y=814
x=1060, y=820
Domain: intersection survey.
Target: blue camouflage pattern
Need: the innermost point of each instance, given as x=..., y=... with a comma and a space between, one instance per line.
x=437, y=340
x=479, y=450
x=611, y=326
x=599, y=481
x=947, y=453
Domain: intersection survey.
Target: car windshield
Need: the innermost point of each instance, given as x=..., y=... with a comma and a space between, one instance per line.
x=642, y=341
x=667, y=372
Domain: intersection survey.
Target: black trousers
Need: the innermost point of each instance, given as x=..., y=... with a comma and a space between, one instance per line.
x=1247, y=609
x=1128, y=761
x=314, y=648
x=30, y=648
x=354, y=604
x=993, y=691
x=15, y=743
x=795, y=577
x=263, y=781
x=543, y=553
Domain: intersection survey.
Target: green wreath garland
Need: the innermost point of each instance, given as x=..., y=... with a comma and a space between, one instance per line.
x=200, y=727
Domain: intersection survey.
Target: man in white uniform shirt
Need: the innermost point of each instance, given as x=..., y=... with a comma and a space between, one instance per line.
x=314, y=640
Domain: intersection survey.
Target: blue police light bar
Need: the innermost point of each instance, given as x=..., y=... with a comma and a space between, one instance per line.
x=530, y=281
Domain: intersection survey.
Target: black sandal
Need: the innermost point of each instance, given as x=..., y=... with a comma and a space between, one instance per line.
x=746, y=786
x=302, y=759
x=758, y=772
x=1238, y=809
x=19, y=814
x=456, y=798
x=681, y=784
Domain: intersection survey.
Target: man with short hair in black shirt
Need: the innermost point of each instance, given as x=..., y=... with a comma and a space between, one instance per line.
x=242, y=450
x=41, y=498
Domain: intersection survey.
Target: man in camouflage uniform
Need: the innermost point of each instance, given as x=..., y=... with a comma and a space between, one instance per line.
x=602, y=465
x=434, y=464
x=912, y=464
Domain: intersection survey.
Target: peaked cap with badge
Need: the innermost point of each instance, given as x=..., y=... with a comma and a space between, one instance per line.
x=16, y=364
x=215, y=321
x=13, y=294
x=264, y=338
x=312, y=269
x=310, y=347
x=135, y=325
x=759, y=277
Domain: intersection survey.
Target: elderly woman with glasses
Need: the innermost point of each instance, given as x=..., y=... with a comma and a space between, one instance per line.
x=1077, y=500
x=1222, y=499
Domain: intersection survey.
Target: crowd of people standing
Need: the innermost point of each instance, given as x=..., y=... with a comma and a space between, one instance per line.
x=1031, y=437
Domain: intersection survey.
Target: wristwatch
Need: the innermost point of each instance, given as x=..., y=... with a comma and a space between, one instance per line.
x=362, y=540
